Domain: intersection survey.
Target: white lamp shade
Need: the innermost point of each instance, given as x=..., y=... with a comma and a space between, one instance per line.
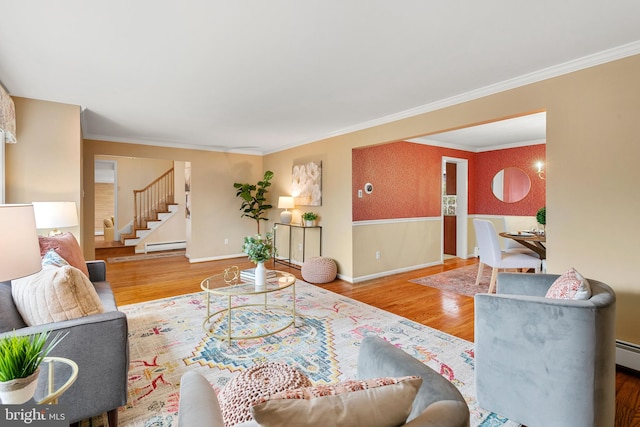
x=19, y=246
x=55, y=214
x=285, y=202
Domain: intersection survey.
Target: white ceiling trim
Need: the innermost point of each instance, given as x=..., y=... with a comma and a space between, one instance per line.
x=599, y=58
x=427, y=141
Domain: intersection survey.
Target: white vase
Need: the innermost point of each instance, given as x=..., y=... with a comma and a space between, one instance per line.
x=309, y=222
x=18, y=391
x=261, y=276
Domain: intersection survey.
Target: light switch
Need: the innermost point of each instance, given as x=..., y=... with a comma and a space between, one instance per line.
x=360, y=193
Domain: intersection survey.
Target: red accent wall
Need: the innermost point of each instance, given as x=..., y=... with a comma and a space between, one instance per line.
x=407, y=180
x=492, y=162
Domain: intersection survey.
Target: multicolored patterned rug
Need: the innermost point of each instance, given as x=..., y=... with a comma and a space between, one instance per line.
x=461, y=280
x=167, y=339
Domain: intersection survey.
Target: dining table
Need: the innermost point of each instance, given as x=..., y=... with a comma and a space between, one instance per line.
x=533, y=241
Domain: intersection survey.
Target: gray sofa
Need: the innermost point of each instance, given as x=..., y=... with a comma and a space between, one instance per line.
x=97, y=343
x=545, y=362
x=437, y=404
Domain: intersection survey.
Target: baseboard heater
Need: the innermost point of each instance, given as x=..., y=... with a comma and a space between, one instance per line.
x=165, y=246
x=628, y=355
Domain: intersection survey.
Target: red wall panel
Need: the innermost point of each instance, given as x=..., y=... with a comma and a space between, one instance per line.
x=407, y=180
x=491, y=162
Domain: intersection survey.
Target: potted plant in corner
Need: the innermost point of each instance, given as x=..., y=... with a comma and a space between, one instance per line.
x=259, y=249
x=309, y=218
x=20, y=359
x=541, y=217
x=253, y=198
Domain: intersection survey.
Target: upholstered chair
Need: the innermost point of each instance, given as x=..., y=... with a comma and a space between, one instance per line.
x=545, y=362
x=494, y=257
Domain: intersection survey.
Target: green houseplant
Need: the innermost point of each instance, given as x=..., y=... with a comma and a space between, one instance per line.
x=259, y=249
x=309, y=218
x=254, y=203
x=20, y=359
x=541, y=216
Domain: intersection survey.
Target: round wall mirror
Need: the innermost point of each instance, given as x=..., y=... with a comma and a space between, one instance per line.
x=511, y=185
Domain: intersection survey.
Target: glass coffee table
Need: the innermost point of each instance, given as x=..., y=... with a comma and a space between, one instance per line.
x=231, y=286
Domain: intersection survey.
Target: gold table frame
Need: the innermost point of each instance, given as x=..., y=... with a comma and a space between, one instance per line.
x=230, y=286
x=52, y=397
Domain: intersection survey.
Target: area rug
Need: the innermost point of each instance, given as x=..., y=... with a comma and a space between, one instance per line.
x=460, y=280
x=167, y=339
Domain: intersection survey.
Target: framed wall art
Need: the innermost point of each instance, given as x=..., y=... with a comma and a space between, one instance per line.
x=306, y=186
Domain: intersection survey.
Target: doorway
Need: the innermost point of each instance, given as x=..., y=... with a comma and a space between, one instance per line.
x=106, y=196
x=455, y=185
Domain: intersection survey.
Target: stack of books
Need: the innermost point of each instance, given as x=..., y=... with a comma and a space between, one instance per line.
x=249, y=274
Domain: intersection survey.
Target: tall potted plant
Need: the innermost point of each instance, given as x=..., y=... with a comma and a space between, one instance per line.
x=259, y=249
x=20, y=359
x=254, y=203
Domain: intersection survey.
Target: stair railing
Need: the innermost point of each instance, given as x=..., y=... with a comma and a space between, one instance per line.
x=152, y=199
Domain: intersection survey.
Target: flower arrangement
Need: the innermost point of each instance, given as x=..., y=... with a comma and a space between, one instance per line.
x=258, y=248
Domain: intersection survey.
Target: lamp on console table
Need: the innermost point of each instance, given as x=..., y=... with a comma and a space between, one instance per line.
x=285, y=202
x=55, y=215
x=19, y=247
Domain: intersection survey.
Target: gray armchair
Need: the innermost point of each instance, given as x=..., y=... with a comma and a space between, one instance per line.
x=545, y=362
x=97, y=343
x=437, y=404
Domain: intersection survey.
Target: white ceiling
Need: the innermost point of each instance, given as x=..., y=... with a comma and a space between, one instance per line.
x=515, y=132
x=262, y=76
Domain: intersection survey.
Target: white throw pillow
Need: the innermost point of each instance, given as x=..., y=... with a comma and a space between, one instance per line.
x=380, y=402
x=55, y=294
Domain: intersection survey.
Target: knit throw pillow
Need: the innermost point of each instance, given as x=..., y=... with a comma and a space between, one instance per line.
x=55, y=294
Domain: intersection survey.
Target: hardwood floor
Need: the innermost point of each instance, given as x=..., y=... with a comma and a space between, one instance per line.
x=145, y=280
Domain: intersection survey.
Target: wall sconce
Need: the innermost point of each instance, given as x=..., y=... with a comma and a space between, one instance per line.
x=285, y=202
x=540, y=169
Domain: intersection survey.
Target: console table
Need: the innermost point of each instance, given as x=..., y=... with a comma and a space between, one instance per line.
x=287, y=261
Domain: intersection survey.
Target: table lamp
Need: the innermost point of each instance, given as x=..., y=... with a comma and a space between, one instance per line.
x=19, y=247
x=55, y=215
x=285, y=202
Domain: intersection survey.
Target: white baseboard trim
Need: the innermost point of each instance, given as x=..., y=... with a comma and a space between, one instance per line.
x=628, y=355
x=215, y=258
x=390, y=272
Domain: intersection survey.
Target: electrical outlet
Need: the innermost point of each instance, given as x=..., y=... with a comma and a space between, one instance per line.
x=360, y=193
x=377, y=254
x=300, y=247
x=226, y=241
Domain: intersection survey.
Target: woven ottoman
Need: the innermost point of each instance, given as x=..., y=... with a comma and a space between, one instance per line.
x=319, y=270
x=262, y=380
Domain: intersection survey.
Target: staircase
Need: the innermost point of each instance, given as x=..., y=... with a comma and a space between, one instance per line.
x=153, y=205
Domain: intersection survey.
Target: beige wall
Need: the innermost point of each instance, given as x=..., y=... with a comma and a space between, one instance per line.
x=45, y=164
x=215, y=214
x=592, y=175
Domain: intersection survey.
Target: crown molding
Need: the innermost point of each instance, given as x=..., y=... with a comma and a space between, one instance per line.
x=588, y=61
x=170, y=144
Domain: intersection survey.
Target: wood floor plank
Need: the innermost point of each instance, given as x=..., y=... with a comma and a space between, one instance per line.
x=146, y=280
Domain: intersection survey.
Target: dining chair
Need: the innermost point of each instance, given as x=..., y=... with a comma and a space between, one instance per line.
x=494, y=257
